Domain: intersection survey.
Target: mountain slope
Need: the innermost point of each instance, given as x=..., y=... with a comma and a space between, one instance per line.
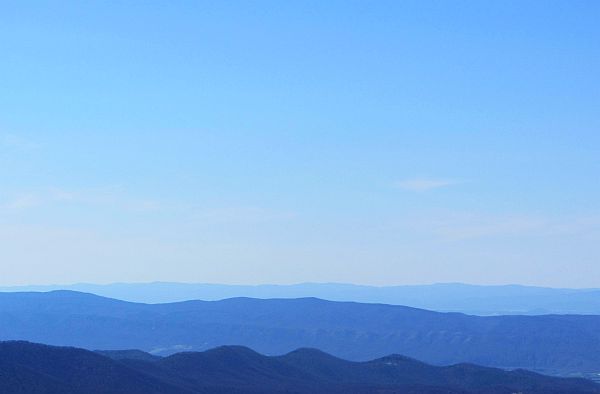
x=444, y=297
x=28, y=368
x=353, y=331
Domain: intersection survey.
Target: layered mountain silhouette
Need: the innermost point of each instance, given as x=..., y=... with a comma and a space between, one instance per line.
x=29, y=368
x=443, y=297
x=552, y=344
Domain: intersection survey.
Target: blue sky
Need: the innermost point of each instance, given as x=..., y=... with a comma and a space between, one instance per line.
x=281, y=142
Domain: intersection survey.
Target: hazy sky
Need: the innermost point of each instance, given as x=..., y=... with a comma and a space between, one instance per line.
x=275, y=142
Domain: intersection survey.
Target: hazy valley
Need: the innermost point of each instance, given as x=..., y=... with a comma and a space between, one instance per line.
x=555, y=344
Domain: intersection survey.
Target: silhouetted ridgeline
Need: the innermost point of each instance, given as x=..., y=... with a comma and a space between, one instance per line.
x=553, y=344
x=444, y=297
x=28, y=368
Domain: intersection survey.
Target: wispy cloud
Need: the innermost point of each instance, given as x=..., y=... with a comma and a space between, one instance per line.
x=20, y=203
x=467, y=226
x=99, y=197
x=425, y=184
x=245, y=214
x=15, y=141
x=111, y=196
x=116, y=198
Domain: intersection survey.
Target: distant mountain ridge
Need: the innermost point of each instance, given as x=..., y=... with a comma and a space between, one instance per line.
x=30, y=368
x=552, y=344
x=444, y=297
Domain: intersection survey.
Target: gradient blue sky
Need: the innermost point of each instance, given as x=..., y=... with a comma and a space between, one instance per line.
x=369, y=142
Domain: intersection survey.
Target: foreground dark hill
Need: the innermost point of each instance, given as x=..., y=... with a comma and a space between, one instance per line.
x=28, y=368
x=552, y=344
x=445, y=297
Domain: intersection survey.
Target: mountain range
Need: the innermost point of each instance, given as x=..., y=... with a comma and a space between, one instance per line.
x=444, y=297
x=553, y=344
x=29, y=368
